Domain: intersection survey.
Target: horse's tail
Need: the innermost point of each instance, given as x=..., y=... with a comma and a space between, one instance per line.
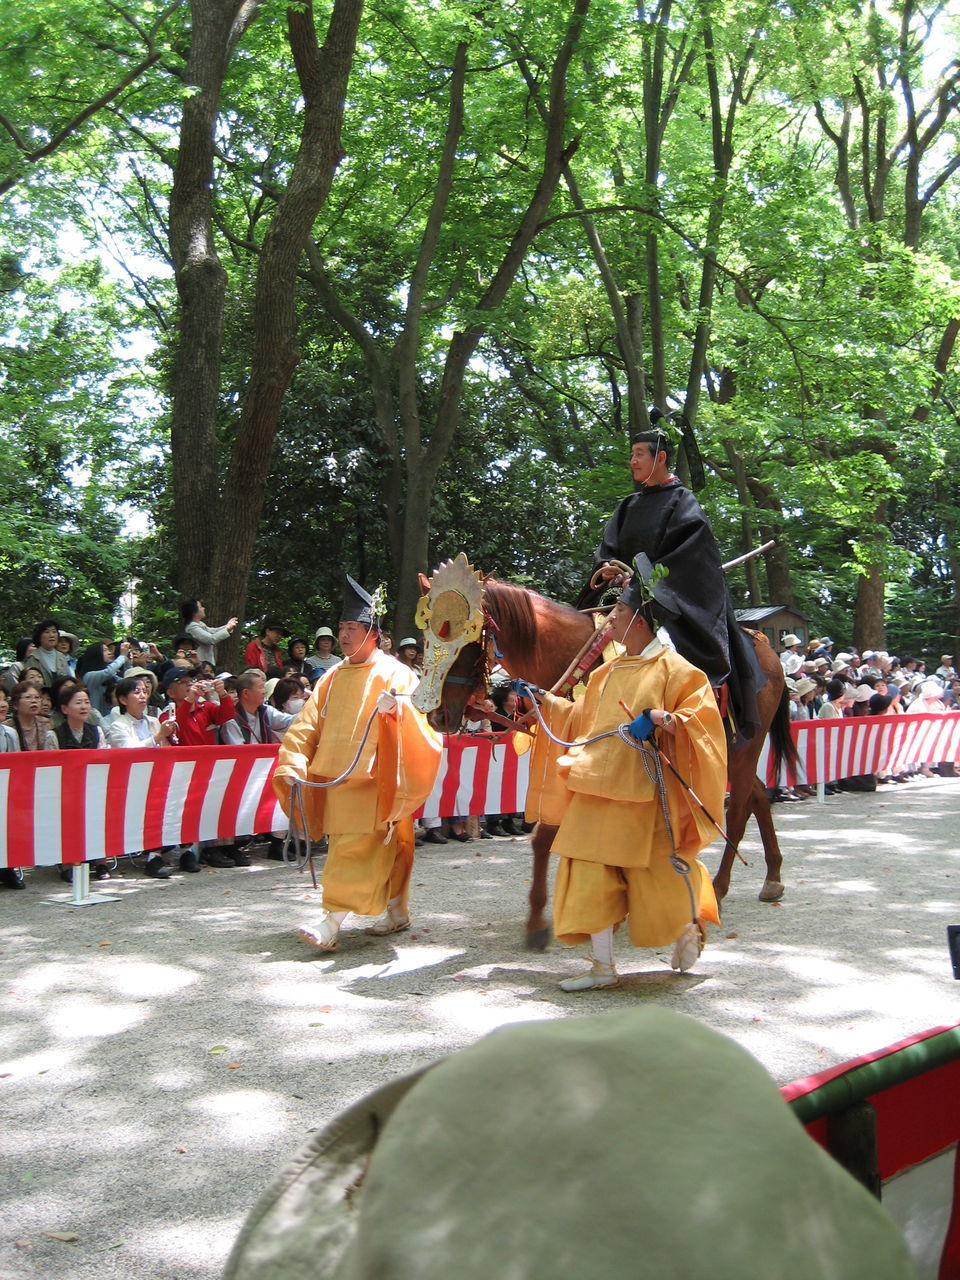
x=781, y=739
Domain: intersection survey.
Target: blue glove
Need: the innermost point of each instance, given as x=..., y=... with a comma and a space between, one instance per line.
x=524, y=689
x=641, y=728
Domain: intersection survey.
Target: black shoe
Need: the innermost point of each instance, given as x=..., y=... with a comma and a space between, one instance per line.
x=485, y=834
x=12, y=877
x=496, y=829
x=100, y=871
x=434, y=836
x=216, y=858
x=513, y=828
x=461, y=836
x=240, y=857
x=189, y=861
x=157, y=869
x=276, y=850
x=66, y=873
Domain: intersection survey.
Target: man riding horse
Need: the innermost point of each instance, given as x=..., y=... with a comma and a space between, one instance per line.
x=664, y=521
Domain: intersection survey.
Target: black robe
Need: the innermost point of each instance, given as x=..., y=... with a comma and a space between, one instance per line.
x=668, y=523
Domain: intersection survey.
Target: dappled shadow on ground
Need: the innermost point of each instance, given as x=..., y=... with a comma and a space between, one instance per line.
x=855, y=957
x=161, y=1055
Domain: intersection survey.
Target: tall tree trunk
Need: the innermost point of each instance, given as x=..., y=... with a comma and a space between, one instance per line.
x=217, y=26
x=323, y=74
x=868, y=618
x=776, y=561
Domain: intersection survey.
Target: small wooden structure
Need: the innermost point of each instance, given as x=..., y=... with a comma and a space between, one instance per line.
x=776, y=621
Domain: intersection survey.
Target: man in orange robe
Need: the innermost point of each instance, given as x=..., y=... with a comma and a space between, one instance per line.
x=359, y=721
x=614, y=844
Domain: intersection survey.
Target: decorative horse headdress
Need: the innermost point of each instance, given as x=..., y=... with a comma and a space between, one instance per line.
x=450, y=615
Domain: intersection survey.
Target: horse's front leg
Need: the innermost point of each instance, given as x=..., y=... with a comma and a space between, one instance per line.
x=772, y=889
x=538, y=930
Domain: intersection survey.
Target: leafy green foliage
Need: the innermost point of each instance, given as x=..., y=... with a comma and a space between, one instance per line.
x=824, y=327
x=69, y=431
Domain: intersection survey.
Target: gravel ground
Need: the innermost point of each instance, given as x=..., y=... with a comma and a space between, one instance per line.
x=163, y=1054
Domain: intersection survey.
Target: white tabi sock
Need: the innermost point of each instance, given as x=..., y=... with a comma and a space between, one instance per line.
x=602, y=946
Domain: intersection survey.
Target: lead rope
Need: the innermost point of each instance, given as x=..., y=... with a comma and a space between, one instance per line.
x=654, y=771
x=297, y=841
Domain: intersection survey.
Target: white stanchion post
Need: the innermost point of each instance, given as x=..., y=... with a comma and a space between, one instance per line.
x=81, y=896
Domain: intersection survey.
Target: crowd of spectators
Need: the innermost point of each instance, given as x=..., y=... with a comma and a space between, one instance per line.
x=824, y=685
x=56, y=695
x=59, y=695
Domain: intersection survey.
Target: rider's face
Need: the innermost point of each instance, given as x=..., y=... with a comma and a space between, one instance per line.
x=642, y=462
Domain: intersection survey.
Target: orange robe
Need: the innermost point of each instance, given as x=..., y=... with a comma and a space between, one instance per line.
x=367, y=817
x=613, y=843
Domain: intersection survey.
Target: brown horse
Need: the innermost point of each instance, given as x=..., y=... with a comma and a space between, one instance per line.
x=537, y=639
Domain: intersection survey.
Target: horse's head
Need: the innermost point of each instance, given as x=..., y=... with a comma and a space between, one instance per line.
x=450, y=614
x=469, y=620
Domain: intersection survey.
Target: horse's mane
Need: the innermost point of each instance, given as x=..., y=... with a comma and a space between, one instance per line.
x=511, y=607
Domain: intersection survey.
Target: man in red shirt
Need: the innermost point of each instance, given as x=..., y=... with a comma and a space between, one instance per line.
x=265, y=651
x=196, y=717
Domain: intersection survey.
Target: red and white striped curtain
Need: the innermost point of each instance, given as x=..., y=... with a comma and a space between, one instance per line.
x=848, y=748
x=75, y=806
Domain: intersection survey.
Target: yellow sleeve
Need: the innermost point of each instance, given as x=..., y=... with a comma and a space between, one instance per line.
x=296, y=752
x=547, y=794
x=698, y=750
x=408, y=761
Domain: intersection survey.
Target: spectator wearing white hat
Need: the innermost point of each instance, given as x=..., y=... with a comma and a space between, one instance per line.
x=792, y=663
x=873, y=662
x=806, y=691
x=801, y=693
x=866, y=703
x=946, y=672
x=814, y=666
x=783, y=792
x=928, y=700
x=861, y=700
x=928, y=697
x=842, y=663
x=323, y=657
x=408, y=652
x=68, y=645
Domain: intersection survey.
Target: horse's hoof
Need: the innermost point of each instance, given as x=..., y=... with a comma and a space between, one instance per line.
x=772, y=891
x=538, y=939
